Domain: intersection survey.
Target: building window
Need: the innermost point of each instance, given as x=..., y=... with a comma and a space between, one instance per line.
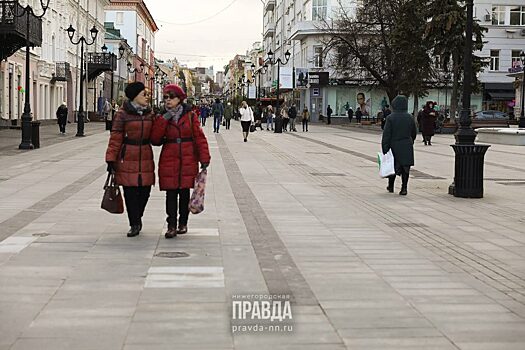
x=120, y=18
x=318, y=56
x=494, y=60
x=319, y=10
x=498, y=15
x=516, y=59
x=517, y=15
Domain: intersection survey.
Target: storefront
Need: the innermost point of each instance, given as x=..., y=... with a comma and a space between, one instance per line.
x=499, y=97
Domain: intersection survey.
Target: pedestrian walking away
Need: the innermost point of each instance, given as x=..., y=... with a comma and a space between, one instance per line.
x=184, y=145
x=399, y=135
x=246, y=119
x=305, y=117
x=329, y=112
x=228, y=115
x=386, y=113
x=204, y=110
x=358, y=115
x=350, y=114
x=129, y=154
x=428, y=122
x=218, y=111
x=292, y=113
x=61, y=113
x=270, y=116
x=257, y=114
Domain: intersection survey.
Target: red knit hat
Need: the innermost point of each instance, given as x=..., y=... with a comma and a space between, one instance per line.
x=176, y=90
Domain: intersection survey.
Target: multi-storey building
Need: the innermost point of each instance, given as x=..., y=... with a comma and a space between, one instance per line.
x=54, y=65
x=138, y=27
x=505, y=40
x=296, y=26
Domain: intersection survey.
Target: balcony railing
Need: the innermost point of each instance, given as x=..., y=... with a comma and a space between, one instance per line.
x=62, y=72
x=99, y=62
x=13, y=27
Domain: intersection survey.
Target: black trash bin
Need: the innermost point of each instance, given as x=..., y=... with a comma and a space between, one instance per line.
x=278, y=125
x=35, y=134
x=468, y=171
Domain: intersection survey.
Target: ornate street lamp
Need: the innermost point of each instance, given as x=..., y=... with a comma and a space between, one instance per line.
x=258, y=72
x=81, y=41
x=522, y=114
x=26, y=117
x=272, y=61
x=447, y=79
x=135, y=70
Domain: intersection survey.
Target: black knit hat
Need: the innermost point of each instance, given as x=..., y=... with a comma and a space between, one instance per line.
x=133, y=89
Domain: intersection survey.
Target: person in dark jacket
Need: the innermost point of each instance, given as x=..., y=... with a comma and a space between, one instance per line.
x=184, y=146
x=358, y=115
x=292, y=113
x=62, y=117
x=329, y=112
x=350, y=114
x=428, y=122
x=204, y=111
x=386, y=113
x=228, y=115
x=218, y=112
x=129, y=153
x=399, y=135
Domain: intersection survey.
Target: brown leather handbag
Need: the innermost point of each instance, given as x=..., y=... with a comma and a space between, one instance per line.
x=112, y=201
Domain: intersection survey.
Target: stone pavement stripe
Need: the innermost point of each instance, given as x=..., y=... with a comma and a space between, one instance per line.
x=25, y=217
x=282, y=276
x=413, y=172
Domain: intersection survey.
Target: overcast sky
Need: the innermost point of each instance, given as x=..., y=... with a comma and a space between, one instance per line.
x=205, y=32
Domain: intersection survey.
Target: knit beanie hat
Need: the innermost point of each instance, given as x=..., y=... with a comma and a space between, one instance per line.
x=133, y=89
x=176, y=90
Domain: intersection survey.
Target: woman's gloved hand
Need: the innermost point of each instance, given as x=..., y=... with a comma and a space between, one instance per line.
x=111, y=167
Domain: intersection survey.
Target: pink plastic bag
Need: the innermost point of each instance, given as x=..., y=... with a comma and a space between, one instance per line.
x=197, y=197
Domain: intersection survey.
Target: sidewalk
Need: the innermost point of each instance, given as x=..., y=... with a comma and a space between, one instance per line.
x=303, y=214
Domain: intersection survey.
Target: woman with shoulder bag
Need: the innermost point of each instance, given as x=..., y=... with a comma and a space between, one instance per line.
x=129, y=154
x=246, y=119
x=184, y=146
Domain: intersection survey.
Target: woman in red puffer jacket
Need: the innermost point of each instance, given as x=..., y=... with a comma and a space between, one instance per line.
x=129, y=154
x=184, y=146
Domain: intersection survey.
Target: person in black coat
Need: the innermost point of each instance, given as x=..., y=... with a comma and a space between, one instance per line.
x=358, y=115
x=62, y=117
x=428, y=122
x=399, y=135
x=350, y=114
x=329, y=112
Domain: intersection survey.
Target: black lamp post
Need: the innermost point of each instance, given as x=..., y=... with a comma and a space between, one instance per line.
x=82, y=40
x=26, y=117
x=447, y=79
x=272, y=61
x=134, y=70
x=522, y=114
x=258, y=72
x=469, y=158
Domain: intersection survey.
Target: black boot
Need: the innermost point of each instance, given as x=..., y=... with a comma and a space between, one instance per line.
x=404, y=186
x=134, y=231
x=391, y=180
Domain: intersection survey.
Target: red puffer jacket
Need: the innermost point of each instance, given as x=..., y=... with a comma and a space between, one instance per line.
x=178, y=164
x=130, y=147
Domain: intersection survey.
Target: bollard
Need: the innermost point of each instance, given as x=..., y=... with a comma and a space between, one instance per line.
x=35, y=133
x=468, y=172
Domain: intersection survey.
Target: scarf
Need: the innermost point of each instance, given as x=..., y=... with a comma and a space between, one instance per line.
x=175, y=113
x=140, y=109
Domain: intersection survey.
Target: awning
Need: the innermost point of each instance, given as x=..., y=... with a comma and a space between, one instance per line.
x=502, y=96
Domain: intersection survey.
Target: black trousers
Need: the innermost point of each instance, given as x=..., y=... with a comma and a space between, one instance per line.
x=136, y=199
x=305, y=124
x=228, y=122
x=183, y=200
x=62, y=127
x=404, y=171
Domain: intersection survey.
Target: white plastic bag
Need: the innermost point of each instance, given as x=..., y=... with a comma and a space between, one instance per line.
x=386, y=164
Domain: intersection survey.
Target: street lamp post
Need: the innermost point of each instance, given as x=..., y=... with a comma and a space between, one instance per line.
x=469, y=158
x=134, y=70
x=447, y=79
x=522, y=114
x=272, y=61
x=258, y=72
x=26, y=117
x=82, y=40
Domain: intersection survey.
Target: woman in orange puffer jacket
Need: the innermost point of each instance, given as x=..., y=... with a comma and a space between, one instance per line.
x=184, y=146
x=129, y=153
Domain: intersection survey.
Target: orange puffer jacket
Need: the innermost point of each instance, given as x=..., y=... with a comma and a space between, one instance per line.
x=130, y=147
x=181, y=151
